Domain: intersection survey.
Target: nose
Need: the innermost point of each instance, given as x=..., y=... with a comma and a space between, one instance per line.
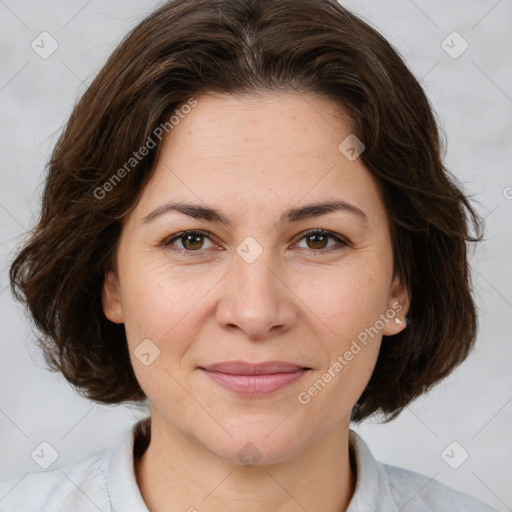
x=256, y=300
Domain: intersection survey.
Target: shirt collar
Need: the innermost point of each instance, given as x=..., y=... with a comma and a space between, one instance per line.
x=122, y=485
x=372, y=492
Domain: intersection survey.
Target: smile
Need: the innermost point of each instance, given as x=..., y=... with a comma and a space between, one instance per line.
x=255, y=385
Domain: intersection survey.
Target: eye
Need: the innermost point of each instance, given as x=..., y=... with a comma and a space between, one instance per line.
x=191, y=241
x=318, y=238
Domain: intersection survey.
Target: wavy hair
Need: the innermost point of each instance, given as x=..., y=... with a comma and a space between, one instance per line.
x=190, y=47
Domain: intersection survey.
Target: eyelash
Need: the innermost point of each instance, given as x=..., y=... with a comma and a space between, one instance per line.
x=344, y=243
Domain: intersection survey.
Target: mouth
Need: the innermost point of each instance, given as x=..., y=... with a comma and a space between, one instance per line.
x=254, y=379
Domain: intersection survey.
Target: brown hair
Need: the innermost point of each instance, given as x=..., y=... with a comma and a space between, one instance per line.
x=189, y=47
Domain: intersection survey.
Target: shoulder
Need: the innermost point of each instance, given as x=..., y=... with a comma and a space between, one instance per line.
x=102, y=481
x=416, y=492
x=396, y=489
x=79, y=487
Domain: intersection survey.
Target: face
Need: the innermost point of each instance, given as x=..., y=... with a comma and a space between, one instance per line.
x=244, y=279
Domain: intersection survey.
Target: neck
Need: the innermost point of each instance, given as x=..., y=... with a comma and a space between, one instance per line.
x=177, y=470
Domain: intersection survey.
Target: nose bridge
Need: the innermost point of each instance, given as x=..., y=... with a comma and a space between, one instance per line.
x=256, y=300
x=255, y=276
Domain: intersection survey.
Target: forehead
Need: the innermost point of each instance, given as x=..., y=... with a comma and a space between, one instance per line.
x=267, y=125
x=262, y=152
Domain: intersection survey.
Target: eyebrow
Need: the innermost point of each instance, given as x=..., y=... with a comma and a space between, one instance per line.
x=290, y=216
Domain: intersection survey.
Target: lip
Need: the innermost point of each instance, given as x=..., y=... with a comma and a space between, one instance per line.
x=245, y=368
x=254, y=379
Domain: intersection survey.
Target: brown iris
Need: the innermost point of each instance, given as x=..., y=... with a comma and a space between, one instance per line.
x=317, y=236
x=194, y=240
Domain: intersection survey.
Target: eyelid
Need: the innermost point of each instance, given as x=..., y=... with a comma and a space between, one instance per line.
x=320, y=231
x=167, y=241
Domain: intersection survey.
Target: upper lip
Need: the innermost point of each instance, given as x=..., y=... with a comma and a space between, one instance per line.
x=246, y=368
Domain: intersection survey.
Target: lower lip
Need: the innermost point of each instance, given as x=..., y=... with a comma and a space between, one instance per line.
x=254, y=385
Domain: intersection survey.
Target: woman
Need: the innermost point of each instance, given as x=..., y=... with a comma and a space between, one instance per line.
x=247, y=223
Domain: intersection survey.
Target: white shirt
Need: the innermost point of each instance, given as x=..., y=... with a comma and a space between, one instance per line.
x=105, y=481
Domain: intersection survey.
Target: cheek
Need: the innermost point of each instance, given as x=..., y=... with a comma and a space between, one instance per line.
x=347, y=300
x=161, y=300
x=156, y=295
x=167, y=305
x=164, y=303
x=157, y=305
x=350, y=305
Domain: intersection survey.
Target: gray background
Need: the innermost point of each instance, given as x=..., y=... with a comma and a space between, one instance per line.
x=472, y=95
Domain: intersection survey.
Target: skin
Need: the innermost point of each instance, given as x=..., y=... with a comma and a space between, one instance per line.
x=252, y=158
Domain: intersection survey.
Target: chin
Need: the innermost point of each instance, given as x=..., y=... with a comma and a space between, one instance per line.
x=251, y=444
x=249, y=453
